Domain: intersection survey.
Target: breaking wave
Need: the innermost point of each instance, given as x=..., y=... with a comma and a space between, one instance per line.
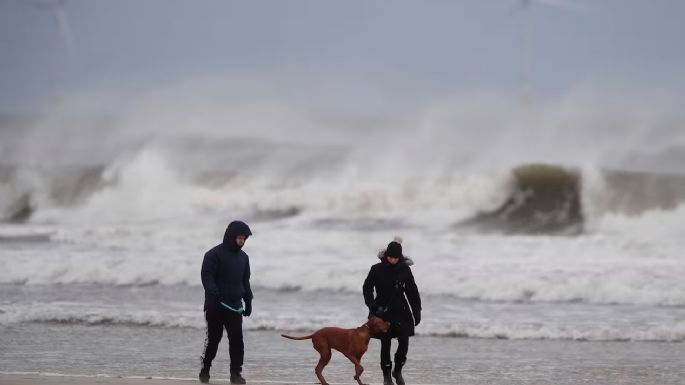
x=527, y=199
x=470, y=156
x=486, y=330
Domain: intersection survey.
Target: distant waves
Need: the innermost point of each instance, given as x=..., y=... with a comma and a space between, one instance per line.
x=536, y=199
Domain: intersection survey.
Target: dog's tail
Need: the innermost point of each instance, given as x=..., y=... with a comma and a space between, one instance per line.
x=298, y=338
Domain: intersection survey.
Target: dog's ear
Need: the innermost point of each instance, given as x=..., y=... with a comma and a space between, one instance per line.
x=380, y=324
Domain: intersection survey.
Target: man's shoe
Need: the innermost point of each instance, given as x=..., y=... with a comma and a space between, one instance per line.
x=204, y=375
x=236, y=378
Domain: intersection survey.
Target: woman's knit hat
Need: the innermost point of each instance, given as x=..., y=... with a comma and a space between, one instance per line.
x=394, y=249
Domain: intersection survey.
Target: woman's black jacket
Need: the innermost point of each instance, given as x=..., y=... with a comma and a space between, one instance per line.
x=393, y=285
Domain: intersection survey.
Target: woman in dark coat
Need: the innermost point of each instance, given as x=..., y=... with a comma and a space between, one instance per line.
x=394, y=284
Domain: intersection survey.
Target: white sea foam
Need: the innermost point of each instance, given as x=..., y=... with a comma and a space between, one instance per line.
x=464, y=320
x=602, y=268
x=675, y=333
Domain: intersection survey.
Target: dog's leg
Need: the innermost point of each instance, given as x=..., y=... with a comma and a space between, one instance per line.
x=325, y=353
x=358, y=368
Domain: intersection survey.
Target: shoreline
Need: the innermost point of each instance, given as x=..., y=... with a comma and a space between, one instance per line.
x=21, y=378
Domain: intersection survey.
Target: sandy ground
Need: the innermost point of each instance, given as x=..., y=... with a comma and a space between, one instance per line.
x=167, y=356
x=34, y=379
x=29, y=379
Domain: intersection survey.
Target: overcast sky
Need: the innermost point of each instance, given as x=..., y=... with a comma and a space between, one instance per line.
x=402, y=50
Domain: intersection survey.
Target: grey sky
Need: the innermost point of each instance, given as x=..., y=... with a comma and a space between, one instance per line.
x=403, y=50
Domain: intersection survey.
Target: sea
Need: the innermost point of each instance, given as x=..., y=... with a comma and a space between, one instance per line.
x=550, y=256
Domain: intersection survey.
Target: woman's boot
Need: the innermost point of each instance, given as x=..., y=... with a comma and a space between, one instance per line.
x=387, y=379
x=397, y=373
x=204, y=374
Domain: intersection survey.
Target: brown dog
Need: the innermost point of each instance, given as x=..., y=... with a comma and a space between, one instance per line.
x=350, y=342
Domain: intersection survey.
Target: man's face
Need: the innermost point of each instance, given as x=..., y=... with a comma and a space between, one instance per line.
x=393, y=260
x=240, y=240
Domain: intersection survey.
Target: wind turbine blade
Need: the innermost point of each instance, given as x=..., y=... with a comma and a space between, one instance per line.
x=65, y=31
x=520, y=5
x=571, y=6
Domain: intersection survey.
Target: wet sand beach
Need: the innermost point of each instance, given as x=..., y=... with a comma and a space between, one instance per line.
x=171, y=356
x=29, y=379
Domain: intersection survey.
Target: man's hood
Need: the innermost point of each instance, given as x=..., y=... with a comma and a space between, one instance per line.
x=234, y=229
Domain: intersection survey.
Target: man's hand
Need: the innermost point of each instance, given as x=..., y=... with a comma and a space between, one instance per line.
x=248, y=309
x=417, y=318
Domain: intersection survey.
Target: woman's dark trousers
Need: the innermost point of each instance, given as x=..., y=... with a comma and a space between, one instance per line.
x=400, y=357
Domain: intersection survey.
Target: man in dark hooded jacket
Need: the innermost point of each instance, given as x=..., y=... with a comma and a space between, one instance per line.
x=226, y=279
x=393, y=283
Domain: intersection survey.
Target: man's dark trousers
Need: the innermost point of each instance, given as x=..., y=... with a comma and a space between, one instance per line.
x=218, y=319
